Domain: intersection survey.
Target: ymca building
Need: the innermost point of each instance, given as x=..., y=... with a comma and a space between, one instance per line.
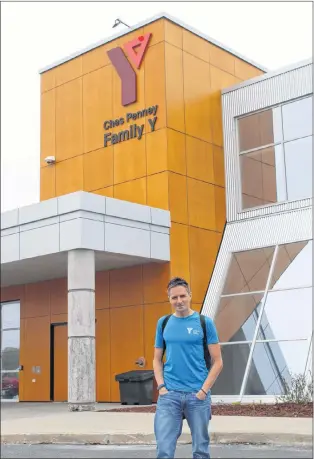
x=163, y=153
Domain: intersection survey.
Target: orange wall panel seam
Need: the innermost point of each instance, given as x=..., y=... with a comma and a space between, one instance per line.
x=47, y=81
x=165, y=86
x=195, y=45
x=152, y=189
x=107, y=191
x=204, y=181
x=193, y=136
x=174, y=81
x=69, y=70
x=148, y=303
x=12, y=293
x=176, y=152
x=64, y=83
x=133, y=190
x=222, y=59
x=69, y=122
x=69, y=175
x=156, y=151
x=225, y=71
x=173, y=33
x=203, y=253
x=179, y=251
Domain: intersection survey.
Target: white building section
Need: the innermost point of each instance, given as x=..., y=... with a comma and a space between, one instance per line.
x=260, y=292
x=35, y=239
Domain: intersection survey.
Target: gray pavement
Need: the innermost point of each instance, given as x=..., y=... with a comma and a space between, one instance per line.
x=52, y=423
x=184, y=451
x=13, y=410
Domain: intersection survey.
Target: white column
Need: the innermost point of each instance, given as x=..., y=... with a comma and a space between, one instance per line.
x=81, y=330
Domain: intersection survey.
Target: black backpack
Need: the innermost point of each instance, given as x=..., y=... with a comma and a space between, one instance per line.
x=203, y=324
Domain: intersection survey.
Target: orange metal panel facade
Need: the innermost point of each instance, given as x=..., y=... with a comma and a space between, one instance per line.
x=103, y=356
x=179, y=166
x=60, y=363
x=36, y=353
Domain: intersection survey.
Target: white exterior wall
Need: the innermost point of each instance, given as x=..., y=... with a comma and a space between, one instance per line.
x=258, y=94
x=269, y=225
x=44, y=232
x=278, y=223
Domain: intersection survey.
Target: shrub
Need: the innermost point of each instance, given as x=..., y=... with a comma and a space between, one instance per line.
x=299, y=390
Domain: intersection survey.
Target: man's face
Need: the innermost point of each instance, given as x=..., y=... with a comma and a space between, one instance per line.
x=180, y=298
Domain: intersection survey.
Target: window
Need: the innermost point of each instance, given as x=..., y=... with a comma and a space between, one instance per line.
x=256, y=130
x=264, y=319
x=298, y=158
x=279, y=304
x=297, y=119
x=258, y=170
x=235, y=360
x=275, y=147
x=10, y=315
x=10, y=350
x=237, y=317
x=273, y=364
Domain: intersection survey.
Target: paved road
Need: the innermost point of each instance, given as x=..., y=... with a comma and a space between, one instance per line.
x=183, y=451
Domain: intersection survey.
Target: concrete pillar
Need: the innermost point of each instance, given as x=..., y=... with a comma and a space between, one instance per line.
x=81, y=330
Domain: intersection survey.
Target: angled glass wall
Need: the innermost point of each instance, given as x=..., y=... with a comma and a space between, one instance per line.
x=264, y=320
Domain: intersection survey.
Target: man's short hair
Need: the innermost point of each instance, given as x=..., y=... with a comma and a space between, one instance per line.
x=177, y=282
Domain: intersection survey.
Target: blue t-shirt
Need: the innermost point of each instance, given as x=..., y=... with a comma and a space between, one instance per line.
x=185, y=368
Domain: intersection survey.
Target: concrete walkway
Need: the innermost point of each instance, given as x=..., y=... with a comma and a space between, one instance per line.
x=57, y=425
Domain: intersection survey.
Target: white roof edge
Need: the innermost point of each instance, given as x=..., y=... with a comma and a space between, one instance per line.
x=271, y=74
x=86, y=202
x=142, y=24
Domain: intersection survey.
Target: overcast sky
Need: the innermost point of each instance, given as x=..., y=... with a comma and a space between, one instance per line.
x=33, y=35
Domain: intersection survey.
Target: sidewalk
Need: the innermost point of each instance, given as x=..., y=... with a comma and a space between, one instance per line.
x=137, y=428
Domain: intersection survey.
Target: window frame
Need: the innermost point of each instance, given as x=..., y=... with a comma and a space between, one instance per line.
x=281, y=143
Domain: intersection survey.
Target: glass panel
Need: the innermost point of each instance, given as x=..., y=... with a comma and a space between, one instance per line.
x=277, y=122
x=237, y=317
x=280, y=174
x=256, y=130
x=293, y=267
x=10, y=350
x=258, y=178
x=273, y=363
x=297, y=118
x=298, y=157
x=248, y=271
x=309, y=366
x=295, y=307
x=235, y=357
x=9, y=385
x=10, y=315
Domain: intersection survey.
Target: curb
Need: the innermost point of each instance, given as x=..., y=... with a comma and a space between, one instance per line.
x=149, y=439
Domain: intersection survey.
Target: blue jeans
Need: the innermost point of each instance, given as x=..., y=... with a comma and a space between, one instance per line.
x=168, y=423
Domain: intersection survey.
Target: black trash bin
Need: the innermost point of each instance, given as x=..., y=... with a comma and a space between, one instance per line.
x=136, y=387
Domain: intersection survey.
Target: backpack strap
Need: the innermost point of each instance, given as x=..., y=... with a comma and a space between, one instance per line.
x=163, y=325
x=205, y=346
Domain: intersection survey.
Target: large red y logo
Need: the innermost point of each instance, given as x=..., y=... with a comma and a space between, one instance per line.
x=135, y=50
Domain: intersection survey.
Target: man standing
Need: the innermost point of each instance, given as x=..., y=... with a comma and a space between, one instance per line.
x=184, y=382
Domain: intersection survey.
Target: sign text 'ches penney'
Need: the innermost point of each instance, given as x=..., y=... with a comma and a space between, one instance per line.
x=134, y=130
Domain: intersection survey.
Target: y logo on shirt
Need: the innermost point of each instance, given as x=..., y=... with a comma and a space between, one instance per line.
x=193, y=331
